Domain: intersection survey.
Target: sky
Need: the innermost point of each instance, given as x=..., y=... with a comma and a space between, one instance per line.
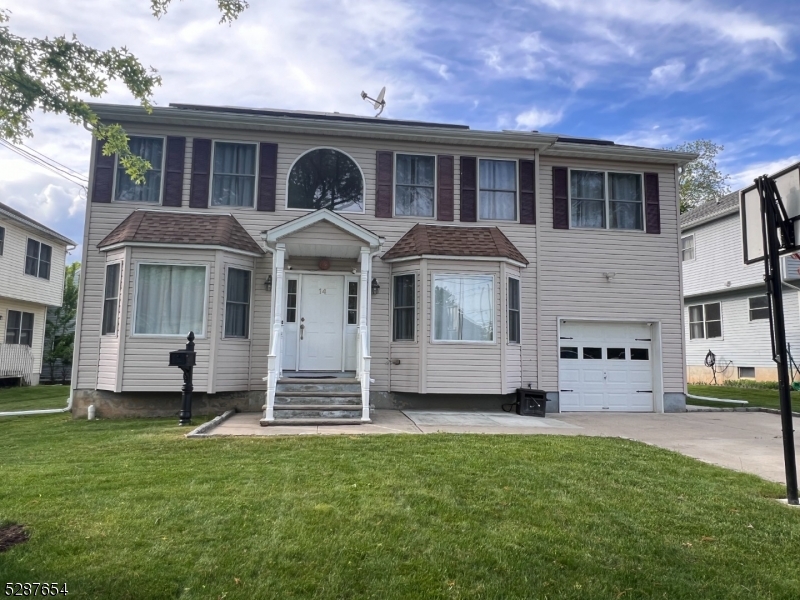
x=653, y=73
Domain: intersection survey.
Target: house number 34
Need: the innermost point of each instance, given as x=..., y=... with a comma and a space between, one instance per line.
x=323, y=291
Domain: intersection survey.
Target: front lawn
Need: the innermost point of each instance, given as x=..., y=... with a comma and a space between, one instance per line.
x=33, y=397
x=131, y=509
x=754, y=397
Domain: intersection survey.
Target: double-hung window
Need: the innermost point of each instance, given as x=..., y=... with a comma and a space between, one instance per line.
x=126, y=190
x=170, y=300
x=463, y=308
x=687, y=248
x=234, y=174
x=414, y=188
x=111, y=299
x=403, y=308
x=237, y=304
x=759, y=308
x=497, y=182
x=2, y=239
x=19, y=329
x=602, y=200
x=514, y=333
x=37, y=259
x=705, y=321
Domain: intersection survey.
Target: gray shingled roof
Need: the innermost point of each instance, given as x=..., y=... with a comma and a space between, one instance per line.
x=711, y=211
x=26, y=220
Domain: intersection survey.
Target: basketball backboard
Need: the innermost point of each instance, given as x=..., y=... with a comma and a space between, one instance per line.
x=788, y=184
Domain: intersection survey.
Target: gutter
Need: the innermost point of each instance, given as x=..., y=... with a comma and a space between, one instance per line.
x=47, y=411
x=723, y=400
x=45, y=230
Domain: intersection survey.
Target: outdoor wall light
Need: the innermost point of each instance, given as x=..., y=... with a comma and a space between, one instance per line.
x=268, y=283
x=375, y=286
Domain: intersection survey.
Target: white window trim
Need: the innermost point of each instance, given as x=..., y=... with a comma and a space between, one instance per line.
x=22, y=314
x=705, y=322
x=508, y=310
x=255, y=181
x=416, y=307
x=249, y=305
x=435, y=185
x=163, y=169
x=338, y=212
x=119, y=297
x=169, y=335
x=739, y=373
x=478, y=189
x=38, y=260
x=694, y=248
x=494, y=340
x=607, y=199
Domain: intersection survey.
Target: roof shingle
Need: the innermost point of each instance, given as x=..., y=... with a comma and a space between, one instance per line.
x=161, y=227
x=439, y=240
x=710, y=211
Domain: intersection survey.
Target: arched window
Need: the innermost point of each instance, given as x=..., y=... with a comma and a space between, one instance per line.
x=326, y=178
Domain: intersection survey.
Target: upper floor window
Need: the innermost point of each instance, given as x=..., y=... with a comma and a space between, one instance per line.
x=687, y=248
x=19, y=329
x=463, y=308
x=37, y=259
x=152, y=150
x=2, y=239
x=759, y=308
x=497, y=182
x=414, y=188
x=604, y=200
x=326, y=178
x=234, y=174
x=705, y=321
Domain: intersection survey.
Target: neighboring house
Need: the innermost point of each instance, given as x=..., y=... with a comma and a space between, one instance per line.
x=59, y=372
x=428, y=262
x=31, y=279
x=726, y=307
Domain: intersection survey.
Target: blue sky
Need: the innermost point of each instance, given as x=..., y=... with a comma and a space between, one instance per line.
x=650, y=72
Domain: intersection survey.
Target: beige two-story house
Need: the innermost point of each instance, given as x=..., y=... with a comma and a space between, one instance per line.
x=32, y=260
x=326, y=263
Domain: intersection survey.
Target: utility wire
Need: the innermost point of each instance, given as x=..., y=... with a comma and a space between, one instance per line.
x=48, y=163
x=52, y=160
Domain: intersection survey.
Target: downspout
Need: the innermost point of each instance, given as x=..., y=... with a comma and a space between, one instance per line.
x=47, y=411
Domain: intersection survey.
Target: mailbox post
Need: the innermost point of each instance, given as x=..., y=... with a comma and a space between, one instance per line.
x=185, y=359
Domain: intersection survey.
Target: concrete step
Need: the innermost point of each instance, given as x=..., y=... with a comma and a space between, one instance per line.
x=290, y=407
x=313, y=398
x=331, y=385
x=312, y=422
x=320, y=394
x=324, y=413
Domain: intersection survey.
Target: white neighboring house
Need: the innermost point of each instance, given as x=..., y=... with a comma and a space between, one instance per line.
x=32, y=259
x=725, y=302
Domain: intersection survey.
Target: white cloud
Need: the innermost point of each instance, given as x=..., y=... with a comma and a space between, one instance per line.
x=658, y=135
x=667, y=74
x=536, y=118
x=745, y=176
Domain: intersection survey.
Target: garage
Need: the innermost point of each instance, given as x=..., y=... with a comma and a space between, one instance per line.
x=605, y=366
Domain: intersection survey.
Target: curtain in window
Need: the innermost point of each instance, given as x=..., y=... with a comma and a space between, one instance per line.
x=404, y=303
x=326, y=178
x=234, y=174
x=498, y=185
x=464, y=308
x=625, y=208
x=414, y=189
x=170, y=299
x=32, y=258
x=587, y=191
x=152, y=150
x=237, y=304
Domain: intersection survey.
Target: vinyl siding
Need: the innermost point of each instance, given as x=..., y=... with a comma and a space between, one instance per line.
x=39, y=319
x=108, y=360
x=405, y=377
x=233, y=354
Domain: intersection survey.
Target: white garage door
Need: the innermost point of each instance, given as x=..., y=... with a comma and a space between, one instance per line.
x=605, y=366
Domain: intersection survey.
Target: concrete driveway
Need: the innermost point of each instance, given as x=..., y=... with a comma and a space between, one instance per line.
x=743, y=441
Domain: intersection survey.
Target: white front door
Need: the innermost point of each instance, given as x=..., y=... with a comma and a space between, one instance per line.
x=605, y=367
x=321, y=323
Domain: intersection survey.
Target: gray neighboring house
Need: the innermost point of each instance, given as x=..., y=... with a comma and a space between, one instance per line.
x=330, y=262
x=726, y=310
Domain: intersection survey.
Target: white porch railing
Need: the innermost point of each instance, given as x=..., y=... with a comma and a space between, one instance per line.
x=16, y=360
x=362, y=373
x=275, y=357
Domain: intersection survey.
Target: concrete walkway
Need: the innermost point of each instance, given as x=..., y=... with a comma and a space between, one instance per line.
x=743, y=441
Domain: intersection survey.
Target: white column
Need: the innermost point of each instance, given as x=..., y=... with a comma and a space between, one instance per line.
x=274, y=360
x=363, y=331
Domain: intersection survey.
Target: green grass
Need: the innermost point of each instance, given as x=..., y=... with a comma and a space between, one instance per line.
x=33, y=397
x=131, y=509
x=755, y=397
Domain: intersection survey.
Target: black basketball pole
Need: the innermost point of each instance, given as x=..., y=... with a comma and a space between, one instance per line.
x=774, y=280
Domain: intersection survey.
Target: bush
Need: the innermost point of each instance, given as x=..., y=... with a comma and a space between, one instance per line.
x=750, y=384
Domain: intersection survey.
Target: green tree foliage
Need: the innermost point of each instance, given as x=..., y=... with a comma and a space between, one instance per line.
x=60, y=328
x=56, y=75
x=700, y=180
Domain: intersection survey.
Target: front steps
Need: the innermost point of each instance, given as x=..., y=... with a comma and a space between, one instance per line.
x=314, y=402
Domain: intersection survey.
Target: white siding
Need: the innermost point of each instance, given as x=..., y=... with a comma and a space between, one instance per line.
x=233, y=354
x=108, y=362
x=39, y=319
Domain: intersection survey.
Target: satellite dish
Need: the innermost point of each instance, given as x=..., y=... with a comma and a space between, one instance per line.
x=377, y=103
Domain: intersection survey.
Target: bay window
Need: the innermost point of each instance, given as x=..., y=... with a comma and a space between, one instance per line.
x=514, y=334
x=403, y=308
x=111, y=299
x=463, y=308
x=237, y=304
x=170, y=300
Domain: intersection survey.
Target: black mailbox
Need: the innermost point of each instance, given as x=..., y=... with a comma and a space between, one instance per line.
x=532, y=403
x=182, y=358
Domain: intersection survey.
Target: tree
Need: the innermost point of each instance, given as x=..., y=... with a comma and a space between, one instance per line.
x=54, y=75
x=59, y=330
x=700, y=180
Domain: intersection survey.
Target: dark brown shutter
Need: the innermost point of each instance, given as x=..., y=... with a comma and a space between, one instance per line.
x=560, y=198
x=384, y=180
x=173, y=177
x=267, y=177
x=469, y=189
x=201, y=173
x=527, y=192
x=652, y=204
x=103, y=185
x=445, y=181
